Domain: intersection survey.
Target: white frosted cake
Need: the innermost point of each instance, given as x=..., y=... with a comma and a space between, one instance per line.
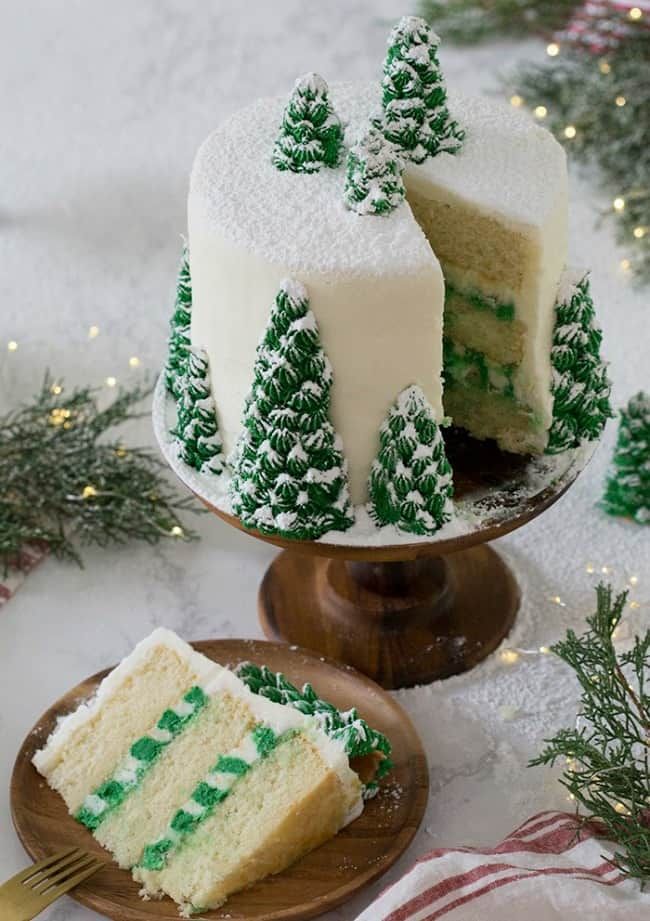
x=429, y=251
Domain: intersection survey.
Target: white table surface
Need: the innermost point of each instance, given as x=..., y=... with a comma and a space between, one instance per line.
x=103, y=107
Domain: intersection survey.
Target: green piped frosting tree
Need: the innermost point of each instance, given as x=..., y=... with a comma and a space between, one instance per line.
x=311, y=135
x=415, y=116
x=410, y=483
x=197, y=428
x=373, y=182
x=289, y=473
x=179, y=334
x=580, y=385
x=627, y=492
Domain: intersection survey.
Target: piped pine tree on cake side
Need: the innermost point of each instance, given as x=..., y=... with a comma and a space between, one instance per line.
x=627, y=492
x=311, y=135
x=289, y=472
x=580, y=385
x=197, y=429
x=415, y=114
x=411, y=482
x=374, y=176
x=179, y=333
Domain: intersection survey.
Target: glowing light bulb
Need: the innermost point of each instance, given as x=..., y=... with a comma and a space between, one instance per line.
x=625, y=265
x=89, y=491
x=540, y=111
x=544, y=650
x=620, y=101
x=635, y=13
x=111, y=381
x=590, y=567
x=605, y=67
x=639, y=232
x=516, y=101
x=618, y=203
x=176, y=531
x=12, y=345
x=570, y=131
x=56, y=389
x=552, y=50
x=509, y=656
x=93, y=332
x=134, y=361
x=634, y=580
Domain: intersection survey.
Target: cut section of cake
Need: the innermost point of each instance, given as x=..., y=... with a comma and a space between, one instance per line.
x=201, y=785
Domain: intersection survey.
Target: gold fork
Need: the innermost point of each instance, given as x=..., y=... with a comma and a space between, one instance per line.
x=28, y=893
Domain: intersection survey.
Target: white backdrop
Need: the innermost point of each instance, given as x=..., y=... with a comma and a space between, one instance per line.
x=103, y=106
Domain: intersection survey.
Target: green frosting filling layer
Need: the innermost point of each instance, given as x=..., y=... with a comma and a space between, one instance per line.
x=358, y=737
x=502, y=310
x=462, y=365
x=142, y=755
x=209, y=792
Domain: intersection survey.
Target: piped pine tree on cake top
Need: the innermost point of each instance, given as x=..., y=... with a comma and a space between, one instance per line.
x=179, y=334
x=415, y=115
x=311, y=135
x=580, y=385
x=627, y=492
x=410, y=482
x=196, y=428
x=289, y=473
x=373, y=182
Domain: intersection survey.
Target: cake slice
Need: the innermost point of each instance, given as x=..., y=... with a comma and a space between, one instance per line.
x=202, y=782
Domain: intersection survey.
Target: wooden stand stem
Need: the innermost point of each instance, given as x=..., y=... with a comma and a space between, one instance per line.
x=400, y=623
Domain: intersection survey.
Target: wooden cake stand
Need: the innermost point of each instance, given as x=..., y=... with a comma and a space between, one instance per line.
x=411, y=612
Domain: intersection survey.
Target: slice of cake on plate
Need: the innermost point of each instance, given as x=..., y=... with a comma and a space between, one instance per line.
x=202, y=782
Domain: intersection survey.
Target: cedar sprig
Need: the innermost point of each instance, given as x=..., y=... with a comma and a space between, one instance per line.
x=470, y=21
x=606, y=754
x=66, y=481
x=614, y=138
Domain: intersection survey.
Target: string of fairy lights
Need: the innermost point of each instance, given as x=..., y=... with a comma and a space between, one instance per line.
x=110, y=381
x=570, y=132
x=511, y=655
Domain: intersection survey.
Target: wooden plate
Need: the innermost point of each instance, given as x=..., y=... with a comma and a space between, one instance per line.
x=320, y=881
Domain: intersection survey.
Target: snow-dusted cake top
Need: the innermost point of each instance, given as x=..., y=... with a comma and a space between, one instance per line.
x=507, y=166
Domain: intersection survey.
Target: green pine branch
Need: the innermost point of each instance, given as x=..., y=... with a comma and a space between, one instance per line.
x=470, y=21
x=606, y=102
x=606, y=755
x=66, y=481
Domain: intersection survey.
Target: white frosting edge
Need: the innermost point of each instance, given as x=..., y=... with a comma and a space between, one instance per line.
x=46, y=758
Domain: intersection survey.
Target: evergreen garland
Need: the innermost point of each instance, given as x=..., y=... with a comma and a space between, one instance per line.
x=579, y=383
x=410, y=482
x=627, y=492
x=66, y=481
x=289, y=473
x=606, y=755
x=358, y=738
x=373, y=182
x=179, y=335
x=311, y=135
x=197, y=428
x=415, y=116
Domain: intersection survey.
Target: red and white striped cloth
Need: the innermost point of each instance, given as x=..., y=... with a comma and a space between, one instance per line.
x=30, y=556
x=552, y=867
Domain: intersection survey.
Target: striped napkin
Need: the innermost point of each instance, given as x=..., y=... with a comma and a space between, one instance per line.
x=29, y=557
x=552, y=867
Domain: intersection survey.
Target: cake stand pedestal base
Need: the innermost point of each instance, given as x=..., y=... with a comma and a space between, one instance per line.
x=401, y=623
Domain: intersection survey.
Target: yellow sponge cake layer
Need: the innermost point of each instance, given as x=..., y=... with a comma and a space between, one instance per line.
x=86, y=746
x=143, y=815
x=284, y=806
